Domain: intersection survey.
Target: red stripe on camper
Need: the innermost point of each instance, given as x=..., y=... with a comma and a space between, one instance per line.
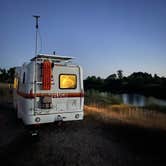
x=54, y=95
x=46, y=75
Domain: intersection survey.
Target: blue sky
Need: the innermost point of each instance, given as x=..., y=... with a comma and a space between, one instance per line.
x=103, y=35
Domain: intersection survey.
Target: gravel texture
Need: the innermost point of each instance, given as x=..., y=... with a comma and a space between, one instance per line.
x=91, y=142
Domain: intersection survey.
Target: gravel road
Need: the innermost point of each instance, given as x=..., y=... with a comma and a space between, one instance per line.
x=90, y=142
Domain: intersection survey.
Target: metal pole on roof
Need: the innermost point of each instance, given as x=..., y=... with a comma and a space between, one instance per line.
x=37, y=27
x=36, y=52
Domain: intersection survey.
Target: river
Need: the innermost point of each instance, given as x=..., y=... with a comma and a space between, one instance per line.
x=140, y=100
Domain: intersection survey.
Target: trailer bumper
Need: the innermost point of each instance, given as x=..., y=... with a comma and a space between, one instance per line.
x=50, y=118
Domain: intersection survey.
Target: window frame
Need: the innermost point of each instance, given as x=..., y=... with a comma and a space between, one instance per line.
x=70, y=75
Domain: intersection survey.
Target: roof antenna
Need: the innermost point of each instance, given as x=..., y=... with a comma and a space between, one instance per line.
x=36, y=52
x=37, y=27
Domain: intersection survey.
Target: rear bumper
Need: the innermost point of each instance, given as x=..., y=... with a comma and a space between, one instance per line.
x=50, y=118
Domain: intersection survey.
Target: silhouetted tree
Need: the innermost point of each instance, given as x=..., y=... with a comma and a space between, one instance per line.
x=112, y=77
x=93, y=82
x=3, y=75
x=10, y=73
x=7, y=75
x=137, y=82
x=120, y=74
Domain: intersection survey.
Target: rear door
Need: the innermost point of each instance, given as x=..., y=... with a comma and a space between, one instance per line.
x=66, y=88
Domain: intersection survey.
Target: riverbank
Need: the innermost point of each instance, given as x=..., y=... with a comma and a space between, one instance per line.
x=110, y=106
x=129, y=115
x=102, y=99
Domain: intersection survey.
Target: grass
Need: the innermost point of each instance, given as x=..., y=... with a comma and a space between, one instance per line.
x=156, y=107
x=110, y=107
x=128, y=114
x=93, y=97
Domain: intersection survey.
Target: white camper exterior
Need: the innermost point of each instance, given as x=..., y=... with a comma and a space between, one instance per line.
x=47, y=89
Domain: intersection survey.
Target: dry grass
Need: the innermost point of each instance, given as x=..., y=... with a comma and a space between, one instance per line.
x=128, y=114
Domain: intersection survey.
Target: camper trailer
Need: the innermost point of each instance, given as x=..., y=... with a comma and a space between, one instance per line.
x=47, y=89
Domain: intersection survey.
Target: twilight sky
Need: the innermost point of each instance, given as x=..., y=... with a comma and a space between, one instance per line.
x=103, y=35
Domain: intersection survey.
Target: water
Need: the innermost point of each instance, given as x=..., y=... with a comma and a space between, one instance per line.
x=140, y=100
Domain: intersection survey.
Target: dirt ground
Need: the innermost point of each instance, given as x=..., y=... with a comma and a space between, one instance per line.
x=89, y=142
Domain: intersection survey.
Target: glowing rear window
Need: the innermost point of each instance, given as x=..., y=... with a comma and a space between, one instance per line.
x=68, y=81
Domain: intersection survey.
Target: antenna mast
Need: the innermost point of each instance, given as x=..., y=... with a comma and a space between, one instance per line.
x=36, y=52
x=37, y=27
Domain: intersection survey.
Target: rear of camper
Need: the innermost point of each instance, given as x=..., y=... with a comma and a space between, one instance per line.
x=47, y=89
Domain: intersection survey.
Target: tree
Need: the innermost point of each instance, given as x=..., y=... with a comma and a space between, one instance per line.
x=7, y=75
x=3, y=75
x=10, y=73
x=120, y=74
x=112, y=77
x=93, y=82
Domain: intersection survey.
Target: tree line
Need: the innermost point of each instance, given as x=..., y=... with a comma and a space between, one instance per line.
x=7, y=75
x=138, y=82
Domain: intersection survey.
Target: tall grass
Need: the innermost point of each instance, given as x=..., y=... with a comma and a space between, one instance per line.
x=109, y=107
x=101, y=98
x=128, y=114
x=156, y=107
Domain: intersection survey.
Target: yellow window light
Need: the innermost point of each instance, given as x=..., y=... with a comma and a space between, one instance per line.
x=68, y=81
x=15, y=83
